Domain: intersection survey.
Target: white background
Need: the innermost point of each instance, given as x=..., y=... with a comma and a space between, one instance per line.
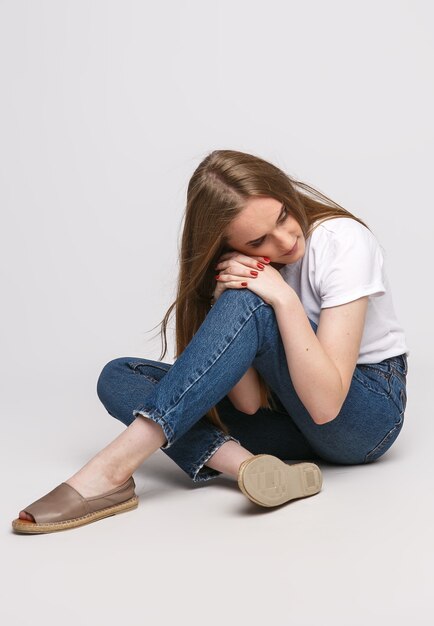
x=106, y=109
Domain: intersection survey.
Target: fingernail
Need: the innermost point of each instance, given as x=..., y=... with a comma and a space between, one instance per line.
x=217, y=277
x=253, y=273
x=244, y=284
x=261, y=267
x=266, y=259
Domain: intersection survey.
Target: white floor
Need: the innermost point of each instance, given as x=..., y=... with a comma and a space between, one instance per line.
x=360, y=552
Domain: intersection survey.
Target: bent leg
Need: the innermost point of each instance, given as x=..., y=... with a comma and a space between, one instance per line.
x=235, y=332
x=212, y=363
x=240, y=331
x=125, y=381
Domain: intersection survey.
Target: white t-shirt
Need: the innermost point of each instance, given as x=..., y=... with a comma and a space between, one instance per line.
x=343, y=261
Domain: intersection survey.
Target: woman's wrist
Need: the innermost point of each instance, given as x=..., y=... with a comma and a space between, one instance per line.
x=284, y=298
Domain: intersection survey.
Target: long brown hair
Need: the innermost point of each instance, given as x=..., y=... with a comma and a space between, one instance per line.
x=217, y=192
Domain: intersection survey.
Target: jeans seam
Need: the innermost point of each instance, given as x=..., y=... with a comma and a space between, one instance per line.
x=160, y=419
x=216, y=359
x=402, y=377
x=134, y=366
x=403, y=398
x=382, y=373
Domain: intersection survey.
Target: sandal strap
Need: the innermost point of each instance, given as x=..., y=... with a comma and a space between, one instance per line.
x=65, y=503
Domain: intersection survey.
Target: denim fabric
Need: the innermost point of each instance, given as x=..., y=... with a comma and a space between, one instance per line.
x=241, y=331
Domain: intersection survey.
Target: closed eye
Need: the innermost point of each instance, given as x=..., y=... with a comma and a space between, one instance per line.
x=257, y=243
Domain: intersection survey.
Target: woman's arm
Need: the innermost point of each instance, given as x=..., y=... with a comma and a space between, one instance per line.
x=321, y=365
x=245, y=395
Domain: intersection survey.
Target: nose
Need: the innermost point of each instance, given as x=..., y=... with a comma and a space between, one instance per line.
x=285, y=244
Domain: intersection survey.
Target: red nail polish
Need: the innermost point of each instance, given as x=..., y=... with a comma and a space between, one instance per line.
x=266, y=259
x=253, y=273
x=217, y=277
x=260, y=265
x=244, y=284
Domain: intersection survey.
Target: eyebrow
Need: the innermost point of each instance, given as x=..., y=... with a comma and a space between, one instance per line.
x=278, y=218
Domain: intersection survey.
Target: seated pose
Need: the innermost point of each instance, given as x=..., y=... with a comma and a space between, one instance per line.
x=287, y=348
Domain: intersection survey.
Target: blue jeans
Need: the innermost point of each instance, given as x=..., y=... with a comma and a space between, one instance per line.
x=241, y=331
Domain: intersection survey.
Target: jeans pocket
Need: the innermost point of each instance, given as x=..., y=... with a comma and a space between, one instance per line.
x=375, y=377
x=151, y=370
x=386, y=442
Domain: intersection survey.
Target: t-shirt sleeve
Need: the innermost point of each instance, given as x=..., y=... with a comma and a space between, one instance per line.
x=350, y=265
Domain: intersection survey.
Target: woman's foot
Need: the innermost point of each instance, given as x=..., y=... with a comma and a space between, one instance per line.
x=90, y=481
x=269, y=481
x=64, y=508
x=113, y=465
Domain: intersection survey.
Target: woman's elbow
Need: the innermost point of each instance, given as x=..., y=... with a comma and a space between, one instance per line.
x=324, y=417
x=248, y=409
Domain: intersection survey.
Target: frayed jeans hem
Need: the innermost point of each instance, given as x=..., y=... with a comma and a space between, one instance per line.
x=167, y=430
x=199, y=473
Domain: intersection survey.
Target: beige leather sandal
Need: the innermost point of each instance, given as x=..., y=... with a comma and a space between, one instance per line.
x=64, y=508
x=268, y=481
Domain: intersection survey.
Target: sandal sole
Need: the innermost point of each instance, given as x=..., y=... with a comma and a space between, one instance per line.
x=268, y=481
x=32, y=528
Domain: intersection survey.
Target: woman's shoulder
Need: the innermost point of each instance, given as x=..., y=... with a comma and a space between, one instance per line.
x=340, y=228
x=343, y=240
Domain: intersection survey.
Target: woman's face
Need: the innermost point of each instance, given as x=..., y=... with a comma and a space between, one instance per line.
x=264, y=228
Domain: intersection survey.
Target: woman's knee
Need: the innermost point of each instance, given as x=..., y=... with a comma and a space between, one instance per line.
x=115, y=376
x=250, y=298
x=249, y=303
x=109, y=373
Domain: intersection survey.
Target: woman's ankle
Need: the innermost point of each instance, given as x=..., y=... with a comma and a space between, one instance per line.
x=228, y=458
x=96, y=477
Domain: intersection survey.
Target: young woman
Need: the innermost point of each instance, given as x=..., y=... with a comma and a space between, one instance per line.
x=287, y=347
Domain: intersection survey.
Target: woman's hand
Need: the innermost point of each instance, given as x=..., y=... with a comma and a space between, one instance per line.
x=238, y=271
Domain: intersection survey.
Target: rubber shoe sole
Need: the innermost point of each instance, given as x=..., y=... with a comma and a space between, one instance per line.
x=268, y=481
